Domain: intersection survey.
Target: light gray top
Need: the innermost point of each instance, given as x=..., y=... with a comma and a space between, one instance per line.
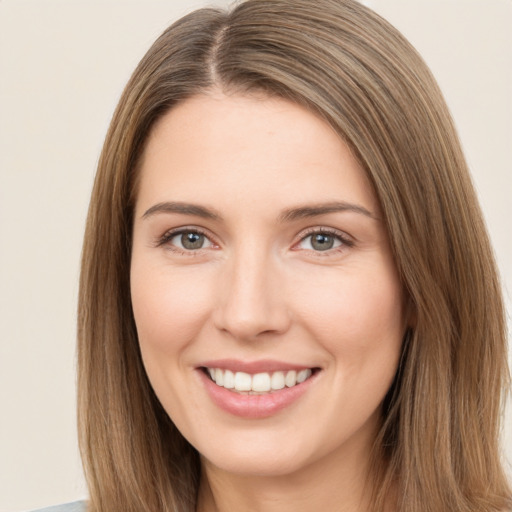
x=75, y=506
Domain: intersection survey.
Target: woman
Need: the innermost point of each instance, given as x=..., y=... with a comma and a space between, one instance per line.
x=288, y=298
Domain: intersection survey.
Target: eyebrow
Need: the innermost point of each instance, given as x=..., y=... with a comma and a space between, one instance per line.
x=289, y=215
x=307, y=211
x=184, y=208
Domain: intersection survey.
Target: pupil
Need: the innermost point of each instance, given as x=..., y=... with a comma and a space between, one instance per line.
x=192, y=240
x=322, y=242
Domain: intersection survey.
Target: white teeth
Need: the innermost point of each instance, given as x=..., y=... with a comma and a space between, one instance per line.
x=229, y=379
x=243, y=381
x=291, y=378
x=303, y=375
x=219, y=377
x=263, y=382
x=277, y=381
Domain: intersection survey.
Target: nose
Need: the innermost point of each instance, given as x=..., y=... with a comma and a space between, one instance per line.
x=252, y=300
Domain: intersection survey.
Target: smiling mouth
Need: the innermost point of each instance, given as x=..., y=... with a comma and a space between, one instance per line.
x=258, y=383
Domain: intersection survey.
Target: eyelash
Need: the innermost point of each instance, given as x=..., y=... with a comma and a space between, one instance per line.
x=169, y=235
x=346, y=242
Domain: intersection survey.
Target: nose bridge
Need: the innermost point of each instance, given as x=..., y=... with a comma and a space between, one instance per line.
x=252, y=302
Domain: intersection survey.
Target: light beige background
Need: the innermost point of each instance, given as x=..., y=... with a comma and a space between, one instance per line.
x=62, y=68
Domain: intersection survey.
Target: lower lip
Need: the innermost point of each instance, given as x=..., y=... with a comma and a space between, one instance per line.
x=254, y=406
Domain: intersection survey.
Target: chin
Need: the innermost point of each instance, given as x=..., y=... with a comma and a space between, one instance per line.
x=261, y=455
x=259, y=466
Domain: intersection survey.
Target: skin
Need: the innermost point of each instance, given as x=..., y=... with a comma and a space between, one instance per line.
x=258, y=289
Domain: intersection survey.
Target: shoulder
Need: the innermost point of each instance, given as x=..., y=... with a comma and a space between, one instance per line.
x=75, y=506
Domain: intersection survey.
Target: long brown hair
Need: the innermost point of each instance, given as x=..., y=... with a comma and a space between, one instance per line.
x=438, y=445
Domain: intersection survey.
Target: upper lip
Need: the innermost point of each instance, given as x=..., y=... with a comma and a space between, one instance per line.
x=252, y=367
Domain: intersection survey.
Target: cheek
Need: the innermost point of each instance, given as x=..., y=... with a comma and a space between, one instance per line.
x=359, y=322
x=169, y=313
x=357, y=316
x=168, y=307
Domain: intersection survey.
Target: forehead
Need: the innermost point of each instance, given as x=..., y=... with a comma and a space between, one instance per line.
x=248, y=148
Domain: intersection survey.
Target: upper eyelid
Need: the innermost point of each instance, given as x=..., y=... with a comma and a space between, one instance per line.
x=322, y=229
x=171, y=233
x=347, y=241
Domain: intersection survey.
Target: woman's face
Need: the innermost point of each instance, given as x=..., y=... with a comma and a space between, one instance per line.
x=260, y=258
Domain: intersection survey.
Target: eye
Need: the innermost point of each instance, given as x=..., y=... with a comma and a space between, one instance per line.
x=186, y=240
x=321, y=241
